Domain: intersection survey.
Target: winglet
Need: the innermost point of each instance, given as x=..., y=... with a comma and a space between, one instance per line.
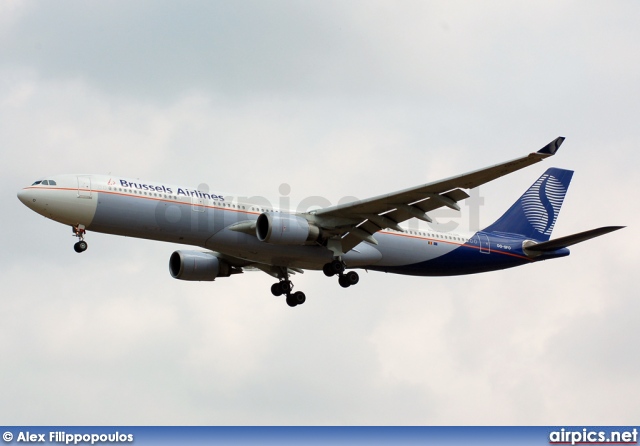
x=552, y=147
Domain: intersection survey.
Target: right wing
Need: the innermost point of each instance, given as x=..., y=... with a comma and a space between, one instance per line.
x=349, y=224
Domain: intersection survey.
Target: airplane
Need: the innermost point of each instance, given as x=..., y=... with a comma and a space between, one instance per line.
x=241, y=235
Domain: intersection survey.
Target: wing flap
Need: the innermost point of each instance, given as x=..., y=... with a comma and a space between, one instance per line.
x=386, y=202
x=390, y=209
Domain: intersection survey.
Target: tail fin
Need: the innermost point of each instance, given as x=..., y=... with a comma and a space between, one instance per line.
x=534, y=215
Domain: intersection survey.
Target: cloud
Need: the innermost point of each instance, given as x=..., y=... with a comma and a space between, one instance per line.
x=335, y=100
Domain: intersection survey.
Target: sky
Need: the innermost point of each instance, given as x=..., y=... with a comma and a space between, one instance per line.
x=333, y=100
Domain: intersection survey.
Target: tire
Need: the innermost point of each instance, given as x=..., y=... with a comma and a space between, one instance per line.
x=291, y=301
x=276, y=289
x=327, y=269
x=82, y=246
x=352, y=277
x=299, y=298
x=337, y=266
x=285, y=286
x=344, y=283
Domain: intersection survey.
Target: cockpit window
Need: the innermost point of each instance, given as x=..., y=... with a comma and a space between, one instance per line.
x=45, y=183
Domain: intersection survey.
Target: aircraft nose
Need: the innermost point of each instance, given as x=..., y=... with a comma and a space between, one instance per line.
x=26, y=196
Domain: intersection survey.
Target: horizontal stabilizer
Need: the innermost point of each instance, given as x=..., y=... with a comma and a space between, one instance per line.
x=569, y=240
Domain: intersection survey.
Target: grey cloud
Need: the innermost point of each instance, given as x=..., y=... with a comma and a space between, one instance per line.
x=162, y=48
x=335, y=100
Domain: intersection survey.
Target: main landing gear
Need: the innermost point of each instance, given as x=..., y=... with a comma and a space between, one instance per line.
x=81, y=245
x=336, y=267
x=286, y=287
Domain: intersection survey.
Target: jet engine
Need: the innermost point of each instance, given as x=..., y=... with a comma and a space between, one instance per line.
x=285, y=229
x=197, y=266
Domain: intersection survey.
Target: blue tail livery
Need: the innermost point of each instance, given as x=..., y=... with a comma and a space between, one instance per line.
x=534, y=215
x=233, y=236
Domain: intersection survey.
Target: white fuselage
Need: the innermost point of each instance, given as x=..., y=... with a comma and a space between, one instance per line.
x=177, y=214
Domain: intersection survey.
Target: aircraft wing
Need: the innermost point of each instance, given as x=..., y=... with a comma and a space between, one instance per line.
x=351, y=223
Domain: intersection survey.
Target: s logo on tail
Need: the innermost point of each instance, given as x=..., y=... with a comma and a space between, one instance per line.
x=535, y=213
x=542, y=202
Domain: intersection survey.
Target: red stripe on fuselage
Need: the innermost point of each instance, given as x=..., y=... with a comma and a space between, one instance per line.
x=245, y=211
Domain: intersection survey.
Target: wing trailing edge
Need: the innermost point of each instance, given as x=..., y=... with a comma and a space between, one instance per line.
x=374, y=214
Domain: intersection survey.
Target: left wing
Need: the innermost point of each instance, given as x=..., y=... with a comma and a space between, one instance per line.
x=351, y=223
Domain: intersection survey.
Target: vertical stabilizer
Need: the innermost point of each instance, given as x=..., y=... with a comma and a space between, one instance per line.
x=535, y=213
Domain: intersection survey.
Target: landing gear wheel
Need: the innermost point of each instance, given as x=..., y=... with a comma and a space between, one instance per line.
x=344, y=283
x=332, y=268
x=299, y=297
x=276, y=289
x=352, y=277
x=80, y=246
x=79, y=231
x=285, y=286
x=338, y=266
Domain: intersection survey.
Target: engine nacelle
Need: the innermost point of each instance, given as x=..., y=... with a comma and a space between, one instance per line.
x=285, y=229
x=197, y=266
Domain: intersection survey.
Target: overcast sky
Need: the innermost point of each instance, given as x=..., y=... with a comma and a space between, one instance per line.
x=335, y=99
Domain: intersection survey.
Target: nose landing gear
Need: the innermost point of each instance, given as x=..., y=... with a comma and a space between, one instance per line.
x=81, y=245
